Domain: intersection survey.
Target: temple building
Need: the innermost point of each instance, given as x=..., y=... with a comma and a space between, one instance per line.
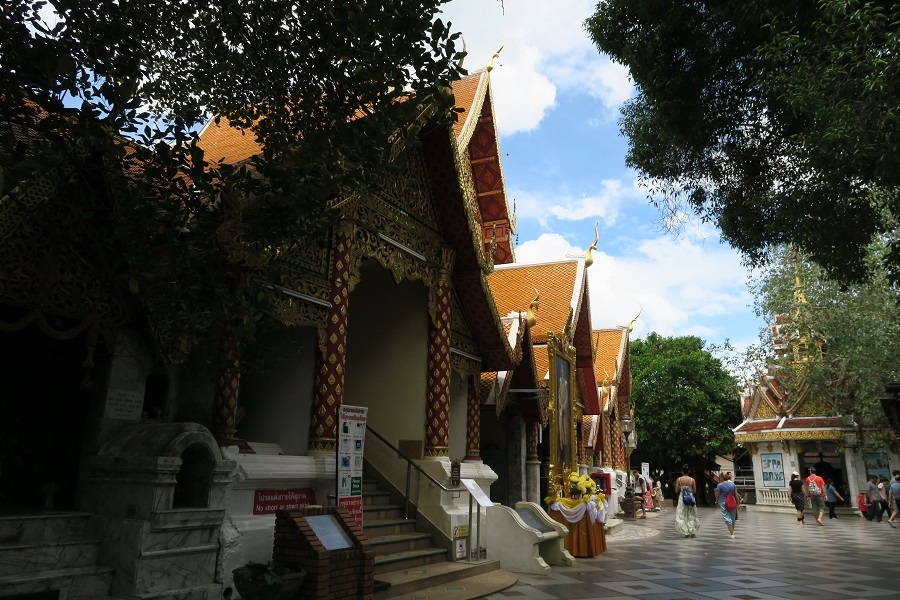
x=786, y=431
x=123, y=475
x=172, y=474
x=605, y=442
x=517, y=412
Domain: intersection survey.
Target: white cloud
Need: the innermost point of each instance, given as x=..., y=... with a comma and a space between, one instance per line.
x=545, y=50
x=689, y=285
x=603, y=203
x=680, y=287
x=548, y=247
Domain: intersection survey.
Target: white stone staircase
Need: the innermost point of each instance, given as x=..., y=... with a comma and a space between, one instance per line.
x=51, y=551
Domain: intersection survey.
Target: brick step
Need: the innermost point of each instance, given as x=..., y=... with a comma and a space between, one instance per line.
x=74, y=584
x=41, y=526
x=23, y=557
x=408, y=559
x=389, y=544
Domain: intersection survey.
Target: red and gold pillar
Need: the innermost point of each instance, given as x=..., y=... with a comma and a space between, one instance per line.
x=328, y=392
x=228, y=385
x=607, y=433
x=473, y=421
x=618, y=447
x=437, y=413
x=532, y=433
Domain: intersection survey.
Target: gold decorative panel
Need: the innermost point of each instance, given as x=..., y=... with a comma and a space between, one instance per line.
x=765, y=436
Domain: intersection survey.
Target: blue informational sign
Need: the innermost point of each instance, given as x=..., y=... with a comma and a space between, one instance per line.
x=772, y=470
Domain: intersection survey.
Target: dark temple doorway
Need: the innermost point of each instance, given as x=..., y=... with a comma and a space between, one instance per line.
x=43, y=412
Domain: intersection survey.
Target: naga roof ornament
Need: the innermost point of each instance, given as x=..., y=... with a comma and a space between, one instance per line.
x=490, y=64
x=630, y=326
x=530, y=316
x=588, y=255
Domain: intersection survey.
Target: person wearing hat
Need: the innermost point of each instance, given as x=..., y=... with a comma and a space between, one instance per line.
x=798, y=497
x=815, y=490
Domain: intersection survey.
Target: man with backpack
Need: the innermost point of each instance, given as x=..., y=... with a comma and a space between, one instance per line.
x=815, y=490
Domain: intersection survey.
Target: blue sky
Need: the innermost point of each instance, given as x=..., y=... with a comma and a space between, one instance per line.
x=557, y=105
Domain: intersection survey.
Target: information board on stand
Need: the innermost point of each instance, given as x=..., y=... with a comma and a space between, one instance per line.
x=351, y=443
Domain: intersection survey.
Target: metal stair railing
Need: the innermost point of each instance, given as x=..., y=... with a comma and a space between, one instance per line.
x=410, y=465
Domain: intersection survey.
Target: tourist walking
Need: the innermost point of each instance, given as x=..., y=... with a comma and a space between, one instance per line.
x=686, y=520
x=831, y=498
x=797, y=496
x=894, y=498
x=728, y=499
x=815, y=489
x=873, y=499
x=883, y=486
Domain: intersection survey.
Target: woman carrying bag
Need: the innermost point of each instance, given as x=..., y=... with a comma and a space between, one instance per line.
x=728, y=499
x=686, y=520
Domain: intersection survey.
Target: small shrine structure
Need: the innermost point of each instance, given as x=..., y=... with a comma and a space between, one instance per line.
x=790, y=431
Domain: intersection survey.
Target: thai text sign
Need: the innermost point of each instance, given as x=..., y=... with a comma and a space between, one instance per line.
x=268, y=501
x=772, y=470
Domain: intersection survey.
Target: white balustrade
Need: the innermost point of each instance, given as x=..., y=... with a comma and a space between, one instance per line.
x=773, y=497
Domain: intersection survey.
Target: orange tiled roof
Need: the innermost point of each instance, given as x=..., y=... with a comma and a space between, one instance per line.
x=607, y=347
x=541, y=364
x=513, y=289
x=464, y=92
x=226, y=143
x=221, y=141
x=486, y=382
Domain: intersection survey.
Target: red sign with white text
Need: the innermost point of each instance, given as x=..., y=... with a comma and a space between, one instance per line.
x=353, y=504
x=268, y=501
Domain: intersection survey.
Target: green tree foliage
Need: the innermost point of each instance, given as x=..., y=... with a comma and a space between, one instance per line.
x=685, y=402
x=779, y=121
x=105, y=98
x=842, y=341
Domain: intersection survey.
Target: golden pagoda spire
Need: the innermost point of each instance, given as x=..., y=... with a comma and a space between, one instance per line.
x=799, y=296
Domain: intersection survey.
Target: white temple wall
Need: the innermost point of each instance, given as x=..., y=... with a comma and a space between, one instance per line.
x=459, y=399
x=853, y=467
x=277, y=388
x=387, y=360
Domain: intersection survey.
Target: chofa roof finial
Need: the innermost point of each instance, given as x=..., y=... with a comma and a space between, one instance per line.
x=490, y=65
x=530, y=317
x=589, y=256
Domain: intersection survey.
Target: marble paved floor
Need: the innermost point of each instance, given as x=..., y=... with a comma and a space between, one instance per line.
x=770, y=558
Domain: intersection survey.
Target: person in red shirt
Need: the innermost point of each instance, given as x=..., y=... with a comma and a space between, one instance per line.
x=815, y=490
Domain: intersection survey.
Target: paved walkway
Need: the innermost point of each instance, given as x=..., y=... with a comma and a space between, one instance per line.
x=771, y=558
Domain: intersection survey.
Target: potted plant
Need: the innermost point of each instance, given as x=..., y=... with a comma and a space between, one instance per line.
x=256, y=581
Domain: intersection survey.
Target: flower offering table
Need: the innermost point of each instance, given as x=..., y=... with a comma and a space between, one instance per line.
x=585, y=518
